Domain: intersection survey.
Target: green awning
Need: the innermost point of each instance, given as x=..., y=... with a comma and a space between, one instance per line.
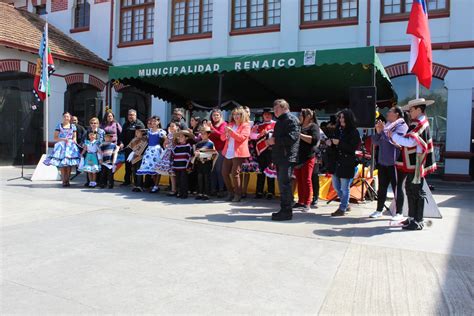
x=307, y=78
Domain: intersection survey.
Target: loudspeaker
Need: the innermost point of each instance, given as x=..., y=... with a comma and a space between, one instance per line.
x=362, y=103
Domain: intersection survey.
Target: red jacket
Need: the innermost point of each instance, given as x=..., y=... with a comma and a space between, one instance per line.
x=216, y=134
x=241, y=140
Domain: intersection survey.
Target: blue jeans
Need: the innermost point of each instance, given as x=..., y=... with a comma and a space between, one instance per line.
x=342, y=187
x=217, y=181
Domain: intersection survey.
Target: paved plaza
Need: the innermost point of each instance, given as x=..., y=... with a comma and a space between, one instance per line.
x=93, y=251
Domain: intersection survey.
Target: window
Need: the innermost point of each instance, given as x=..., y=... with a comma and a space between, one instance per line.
x=191, y=17
x=136, y=21
x=404, y=86
x=40, y=9
x=255, y=13
x=403, y=7
x=324, y=11
x=81, y=14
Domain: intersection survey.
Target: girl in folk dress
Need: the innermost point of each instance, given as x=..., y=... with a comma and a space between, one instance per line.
x=93, y=158
x=65, y=153
x=153, y=153
x=165, y=164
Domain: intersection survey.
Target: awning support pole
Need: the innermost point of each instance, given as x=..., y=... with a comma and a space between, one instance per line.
x=372, y=159
x=219, y=93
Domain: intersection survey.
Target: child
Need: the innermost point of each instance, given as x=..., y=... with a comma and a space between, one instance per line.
x=204, y=154
x=93, y=158
x=138, y=146
x=164, y=166
x=109, y=151
x=182, y=154
x=153, y=152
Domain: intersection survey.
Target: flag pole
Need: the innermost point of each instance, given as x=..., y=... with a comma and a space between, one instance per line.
x=417, y=88
x=46, y=99
x=46, y=128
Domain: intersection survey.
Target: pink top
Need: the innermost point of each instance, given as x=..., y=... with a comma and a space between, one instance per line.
x=113, y=128
x=215, y=136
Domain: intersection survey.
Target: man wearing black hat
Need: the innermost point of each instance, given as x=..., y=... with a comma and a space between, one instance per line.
x=128, y=133
x=286, y=143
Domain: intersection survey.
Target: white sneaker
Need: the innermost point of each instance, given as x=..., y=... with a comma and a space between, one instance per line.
x=397, y=217
x=375, y=214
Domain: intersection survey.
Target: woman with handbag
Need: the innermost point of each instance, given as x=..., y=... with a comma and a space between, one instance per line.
x=309, y=138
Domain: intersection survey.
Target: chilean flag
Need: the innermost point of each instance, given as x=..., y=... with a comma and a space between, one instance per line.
x=421, y=58
x=44, y=68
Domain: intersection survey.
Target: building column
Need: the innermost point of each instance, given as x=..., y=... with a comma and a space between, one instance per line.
x=58, y=87
x=374, y=23
x=117, y=97
x=161, y=108
x=162, y=30
x=221, y=19
x=289, y=25
x=459, y=120
x=362, y=26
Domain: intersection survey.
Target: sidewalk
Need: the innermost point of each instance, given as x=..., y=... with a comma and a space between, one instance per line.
x=92, y=251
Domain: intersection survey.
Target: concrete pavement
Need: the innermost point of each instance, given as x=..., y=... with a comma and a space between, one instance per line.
x=92, y=251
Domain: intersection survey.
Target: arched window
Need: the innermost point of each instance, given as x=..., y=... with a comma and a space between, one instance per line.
x=84, y=101
x=81, y=14
x=132, y=98
x=18, y=120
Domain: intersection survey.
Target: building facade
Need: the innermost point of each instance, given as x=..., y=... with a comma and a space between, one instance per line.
x=127, y=32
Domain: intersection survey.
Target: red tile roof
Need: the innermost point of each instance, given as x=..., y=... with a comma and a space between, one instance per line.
x=23, y=30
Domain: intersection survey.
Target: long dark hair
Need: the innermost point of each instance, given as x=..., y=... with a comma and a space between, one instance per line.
x=104, y=119
x=400, y=113
x=197, y=119
x=349, y=119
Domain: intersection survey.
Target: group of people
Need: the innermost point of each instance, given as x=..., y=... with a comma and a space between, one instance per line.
x=212, y=157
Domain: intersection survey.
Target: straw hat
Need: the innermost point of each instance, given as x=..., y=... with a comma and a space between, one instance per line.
x=205, y=129
x=183, y=132
x=416, y=102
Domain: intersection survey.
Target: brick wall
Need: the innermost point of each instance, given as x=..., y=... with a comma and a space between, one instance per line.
x=58, y=5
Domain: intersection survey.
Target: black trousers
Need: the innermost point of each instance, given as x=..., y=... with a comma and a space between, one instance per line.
x=264, y=160
x=388, y=175
x=182, y=182
x=130, y=170
x=315, y=181
x=203, y=172
x=107, y=177
x=284, y=173
x=401, y=181
x=416, y=198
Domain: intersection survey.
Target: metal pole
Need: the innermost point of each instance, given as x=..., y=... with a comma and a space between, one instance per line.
x=417, y=92
x=45, y=113
x=46, y=100
x=372, y=158
x=219, y=93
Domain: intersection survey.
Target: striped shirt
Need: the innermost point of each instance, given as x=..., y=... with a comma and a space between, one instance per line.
x=181, y=156
x=108, y=150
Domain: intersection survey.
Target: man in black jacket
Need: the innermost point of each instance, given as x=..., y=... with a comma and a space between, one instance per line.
x=128, y=133
x=286, y=142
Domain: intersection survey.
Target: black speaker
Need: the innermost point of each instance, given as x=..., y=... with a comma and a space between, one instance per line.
x=362, y=103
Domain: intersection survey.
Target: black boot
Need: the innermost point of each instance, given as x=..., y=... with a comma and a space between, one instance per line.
x=282, y=216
